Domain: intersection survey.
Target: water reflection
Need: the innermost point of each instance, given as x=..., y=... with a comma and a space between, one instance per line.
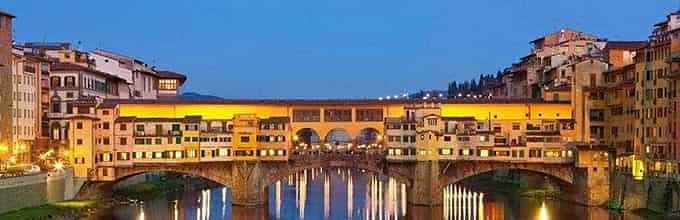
x=462, y=203
x=356, y=195
x=332, y=194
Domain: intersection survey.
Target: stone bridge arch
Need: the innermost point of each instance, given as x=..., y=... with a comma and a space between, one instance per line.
x=216, y=172
x=454, y=172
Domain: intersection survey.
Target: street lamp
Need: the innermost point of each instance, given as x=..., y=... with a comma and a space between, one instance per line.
x=58, y=165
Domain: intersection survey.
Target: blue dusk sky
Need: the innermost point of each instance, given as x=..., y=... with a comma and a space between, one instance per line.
x=326, y=48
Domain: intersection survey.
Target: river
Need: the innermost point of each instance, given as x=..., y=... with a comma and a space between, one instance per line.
x=354, y=194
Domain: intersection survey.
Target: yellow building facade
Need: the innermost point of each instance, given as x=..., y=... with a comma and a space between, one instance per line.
x=131, y=133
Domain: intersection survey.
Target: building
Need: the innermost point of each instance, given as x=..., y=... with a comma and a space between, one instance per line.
x=169, y=83
x=7, y=151
x=653, y=102
x=126, y=133
x=26, y=119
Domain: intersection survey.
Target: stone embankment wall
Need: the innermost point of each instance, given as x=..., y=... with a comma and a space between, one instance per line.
x=654, y=193
x=35, y=189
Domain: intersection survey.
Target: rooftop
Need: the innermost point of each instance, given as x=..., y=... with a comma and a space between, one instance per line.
x=171, y=75
x=112, y=102
x=625, y=45
x=76, y=67
x=4, y=13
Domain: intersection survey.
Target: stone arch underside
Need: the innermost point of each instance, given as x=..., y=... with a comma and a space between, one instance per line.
x=217, y=172
x=457, y=171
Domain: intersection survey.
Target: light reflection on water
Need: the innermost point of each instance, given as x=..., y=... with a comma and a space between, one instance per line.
x=333, y=194
x=356, y=195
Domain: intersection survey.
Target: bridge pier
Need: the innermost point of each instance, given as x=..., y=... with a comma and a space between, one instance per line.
x=425, y=190
x=248, y=187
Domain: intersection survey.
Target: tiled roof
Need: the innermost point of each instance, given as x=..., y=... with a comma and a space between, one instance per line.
x=7, y=14
x=278, y=120
x=125, y=119
x=76, y=67
x=192, y=118
x=625, y=45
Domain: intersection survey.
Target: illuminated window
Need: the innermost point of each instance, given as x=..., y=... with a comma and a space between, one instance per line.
x=446, y=151
x=222, y=152
x=167, y=84
x=484, y=153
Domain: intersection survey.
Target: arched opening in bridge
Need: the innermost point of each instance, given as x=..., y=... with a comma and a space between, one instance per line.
x=306, y=138
x=338, y=138
x=369, y=137
x=170, y=195
x=477, y=196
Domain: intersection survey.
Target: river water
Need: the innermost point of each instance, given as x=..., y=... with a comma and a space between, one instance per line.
x=355, y=194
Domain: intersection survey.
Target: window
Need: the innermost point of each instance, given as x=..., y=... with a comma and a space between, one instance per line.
x=55, y=82
x=123, y=127
x=167, y=84
x=306, y=115
x=158, y=141
x=107, y=141
x=79, y=125
x=123, y=141
x=140, y=128
x=106, y=126
x=79, y=142
x=515, y=126
x=338, y=115
x=69, y=108
x=369, y=114
x=245, y=139
x=70, y=82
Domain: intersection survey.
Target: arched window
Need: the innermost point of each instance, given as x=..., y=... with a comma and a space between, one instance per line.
x=70, y=81
x=55, y=82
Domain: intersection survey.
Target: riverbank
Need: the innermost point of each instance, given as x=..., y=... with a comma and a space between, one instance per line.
x=73, y=209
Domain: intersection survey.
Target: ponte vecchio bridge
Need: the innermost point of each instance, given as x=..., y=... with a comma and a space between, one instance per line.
x=249, y=144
